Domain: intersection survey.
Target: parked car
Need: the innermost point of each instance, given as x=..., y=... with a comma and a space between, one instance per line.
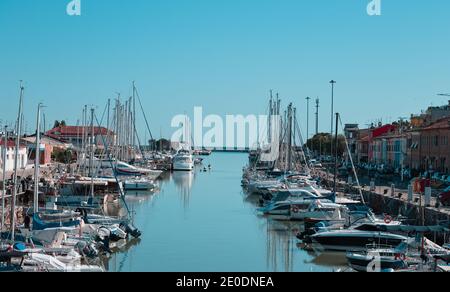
x=445, y=197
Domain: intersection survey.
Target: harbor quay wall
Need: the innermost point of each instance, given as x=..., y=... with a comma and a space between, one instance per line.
x=397, y=204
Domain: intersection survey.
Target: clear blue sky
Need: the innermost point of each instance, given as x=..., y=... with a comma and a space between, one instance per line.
x=224, y=55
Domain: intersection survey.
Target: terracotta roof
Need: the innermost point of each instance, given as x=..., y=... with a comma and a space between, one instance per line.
x=45, y=140
x=11, y=143
x=440, y=124
x=73, y=131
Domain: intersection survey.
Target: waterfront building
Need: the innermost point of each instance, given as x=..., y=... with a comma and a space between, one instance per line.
x=365, y=147
x=417, y=149
x=430, y=116
x=390, y=150
x=47, y=146
x=351, y=134
x=430, y=149
x=362, y=146
x=74, y=135
x=10, y=154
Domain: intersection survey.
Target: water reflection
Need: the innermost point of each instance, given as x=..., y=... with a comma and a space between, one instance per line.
x=201, y=221
x=328, y=259
x=123, y=248
x=285, y=253
x=184, y=181
x=281, y=245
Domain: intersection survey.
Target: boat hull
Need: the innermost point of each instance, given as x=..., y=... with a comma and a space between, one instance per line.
x=368, y=263
x=183, y=166
x=138, y=186
x=354, y=242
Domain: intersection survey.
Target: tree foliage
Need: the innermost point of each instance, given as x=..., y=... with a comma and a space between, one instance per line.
x=62, y=156
x=59, y=124
x=322, y=143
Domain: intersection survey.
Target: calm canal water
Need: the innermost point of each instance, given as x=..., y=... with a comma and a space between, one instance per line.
x=203, y=222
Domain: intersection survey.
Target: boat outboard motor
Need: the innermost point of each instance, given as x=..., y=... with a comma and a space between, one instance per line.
x=104, y=245
x=130, y=229
x=103, y=233
x=87, y=250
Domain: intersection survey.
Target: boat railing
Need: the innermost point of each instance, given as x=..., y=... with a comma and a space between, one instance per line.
x=379, y=246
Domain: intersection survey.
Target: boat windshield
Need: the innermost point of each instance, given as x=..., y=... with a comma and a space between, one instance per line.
x=367, y=227
x=184, y=159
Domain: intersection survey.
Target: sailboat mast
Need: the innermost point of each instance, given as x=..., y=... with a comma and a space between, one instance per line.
x=91, y=154
x=108, y=138
x=85, y=136
x=294, y=119
x=125, y=131
x=37, y=160
x=5, y=150
x=107, y=115
x=16, y=164
x=289, y=146
x=336, y=154
x=271, y=108
x=130, y=127
x=134, y=114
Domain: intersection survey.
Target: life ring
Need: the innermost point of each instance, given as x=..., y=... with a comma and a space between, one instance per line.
x=388, y=219
x=295, y=209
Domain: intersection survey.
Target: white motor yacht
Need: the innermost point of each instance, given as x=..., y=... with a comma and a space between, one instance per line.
x=183, y=161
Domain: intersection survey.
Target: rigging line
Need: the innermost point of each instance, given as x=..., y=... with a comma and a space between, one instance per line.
x=283, y=134
x=264, y=130
x=143, y=112
x=122, y=195
x=302, y=141
x=103, y=115
x=139, y=141
x=302, y=152
x=353, y=165
x=107, y=133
